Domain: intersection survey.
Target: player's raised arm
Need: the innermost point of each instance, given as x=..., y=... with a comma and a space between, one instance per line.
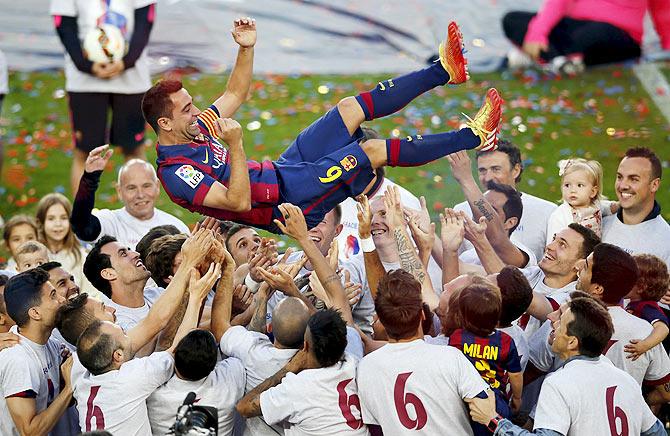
x=237, y=196
x=244, y=34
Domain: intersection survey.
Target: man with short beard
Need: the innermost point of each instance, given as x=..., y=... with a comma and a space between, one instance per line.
x=638, y=226
x=33, y=399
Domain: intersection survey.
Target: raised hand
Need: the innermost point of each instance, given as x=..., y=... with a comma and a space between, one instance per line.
x=353, y=291
x=461, y=167
x=198, y=286
x=364, y=216
x=420, y=218
x=197, y=246
x=295, y=225
x=474, y=231
x=97, y=159
x=394, y=214
x=229, y=131
x=280, y=280
x=334, y=255
x=242, y=298
x=453, y=229
x=244, y=32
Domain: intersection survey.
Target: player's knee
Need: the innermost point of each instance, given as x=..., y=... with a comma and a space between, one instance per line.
x=348, y=106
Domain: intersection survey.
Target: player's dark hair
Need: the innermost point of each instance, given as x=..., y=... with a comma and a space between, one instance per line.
x=195, y=355
x=95, y=349
x=328, y=336
x=160, y=257
x=51, y=265
x=516, y=294
x=647, y=153
x=479, y=306
x=95, y=262
x=592, y=325
x=589, y=239
x=231, y=232
x=614, y=270
x=75, y=318
x=513, y=154
x=156, y=102
x=654, y=280
x=24, y=291
x=399, y=304
x=144, y=244
x=337, y=210
x=513, y=206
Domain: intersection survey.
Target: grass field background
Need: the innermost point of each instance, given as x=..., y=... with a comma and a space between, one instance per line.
x=597, y=115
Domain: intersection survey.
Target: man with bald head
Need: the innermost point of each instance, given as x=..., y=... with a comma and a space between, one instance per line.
x=137, y=188
x=260, y=357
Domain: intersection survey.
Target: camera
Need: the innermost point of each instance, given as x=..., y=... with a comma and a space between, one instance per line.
x=195, y=420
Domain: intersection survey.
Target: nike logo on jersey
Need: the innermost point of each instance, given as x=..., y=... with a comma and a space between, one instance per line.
x=206, y=157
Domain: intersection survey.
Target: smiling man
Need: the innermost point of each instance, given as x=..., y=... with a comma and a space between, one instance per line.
x=638, y=179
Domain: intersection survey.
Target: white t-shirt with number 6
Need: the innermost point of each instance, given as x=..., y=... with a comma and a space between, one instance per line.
x=418, y=388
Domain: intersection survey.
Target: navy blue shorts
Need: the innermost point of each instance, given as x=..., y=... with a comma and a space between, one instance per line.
x=323, y=166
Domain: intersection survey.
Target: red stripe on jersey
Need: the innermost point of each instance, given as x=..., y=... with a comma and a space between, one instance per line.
x=505, y=346
x=394, y=147
x=200, y=194
x=24, y=394
x=367, y=99
x=660, y=381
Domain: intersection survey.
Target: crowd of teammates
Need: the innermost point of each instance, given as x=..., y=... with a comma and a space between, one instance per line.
x=511, y=315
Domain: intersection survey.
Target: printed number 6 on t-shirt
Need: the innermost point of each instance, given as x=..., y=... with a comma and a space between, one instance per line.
x=402, y=400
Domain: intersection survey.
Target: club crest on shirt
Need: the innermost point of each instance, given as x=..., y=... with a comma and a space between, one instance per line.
x=190, y=175
x=349, y=163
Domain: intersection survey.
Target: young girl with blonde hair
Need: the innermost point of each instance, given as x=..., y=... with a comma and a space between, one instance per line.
x=583, y=202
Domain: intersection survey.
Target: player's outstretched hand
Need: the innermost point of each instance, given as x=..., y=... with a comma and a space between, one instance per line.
x=461, y=167
x=197, y=247
x=229, y=131
x=97, y=159
x=474, y=230
x=453, y=230
x=482, y=410
x=198, y=286
x=244, y=32
x=8, y=339
x=395, y=217
x=294, y=222
x=364, y=217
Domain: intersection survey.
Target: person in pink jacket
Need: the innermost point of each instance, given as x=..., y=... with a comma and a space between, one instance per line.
x=586, y=32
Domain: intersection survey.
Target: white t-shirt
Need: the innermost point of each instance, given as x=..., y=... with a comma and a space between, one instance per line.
x=532, y=228
x=29, y=366
x=129, y=317
x=116, y=400
x=261, y=360
x=222, y=389
x=611, y=401
x=653, y=367
x=536, y=277
x=321, y=401
x=418, y=388
x=349, y=242
x=129, y=230
x=651, y=237
x=90, y=14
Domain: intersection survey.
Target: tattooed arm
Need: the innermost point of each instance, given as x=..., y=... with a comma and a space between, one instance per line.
x=409, y=259
x=495, y=230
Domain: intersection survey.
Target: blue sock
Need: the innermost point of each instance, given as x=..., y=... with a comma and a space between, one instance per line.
x=417, y=150
x=392, y=95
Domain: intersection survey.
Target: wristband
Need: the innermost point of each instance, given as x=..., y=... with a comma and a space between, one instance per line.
x=368, y=245
x=494, y=422
x=251, y=284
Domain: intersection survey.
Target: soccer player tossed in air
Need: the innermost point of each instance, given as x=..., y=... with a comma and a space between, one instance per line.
x=326, y=163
